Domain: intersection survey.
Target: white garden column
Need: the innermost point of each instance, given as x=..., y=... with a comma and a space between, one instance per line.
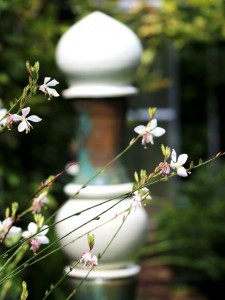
x=99, y=57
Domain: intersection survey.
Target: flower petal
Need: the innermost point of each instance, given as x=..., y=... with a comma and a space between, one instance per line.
x=32, y=228
x=44, y=230
x=46, y=80
x=16, y=117
x=42, y=88
x=182, y=159
x=52, y=92
x=42, y=239
x=158, y=131
x=139, y=129
x=3, y=112
x=149, y=138
x=174, y=156
x=153, y=124
x=34, y=118
x=182, y=172
x=22, y=126
x=7, y=222
x=94, y=260
x=15, y=230
x=53, y=83
x=25, y=111
x=26, y=234
x=86, y=256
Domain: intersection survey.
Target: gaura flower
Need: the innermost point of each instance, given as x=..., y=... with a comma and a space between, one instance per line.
x=149, y=131
x=177, y=164
x=38, y=203
x=45, y=88
x=25, y=124
x=3, y=112
x=13, y=233
x=164, y=168
x=35, y=245
x=5, y=120
x=36, y=238
x=89, y=259
x=139, y=197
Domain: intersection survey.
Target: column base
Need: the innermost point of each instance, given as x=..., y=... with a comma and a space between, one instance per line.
x=116, y=284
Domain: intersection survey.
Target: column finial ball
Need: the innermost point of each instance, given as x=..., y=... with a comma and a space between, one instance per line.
x=99, y=57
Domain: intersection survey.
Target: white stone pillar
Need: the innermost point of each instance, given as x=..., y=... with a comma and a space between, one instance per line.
x=99, y=57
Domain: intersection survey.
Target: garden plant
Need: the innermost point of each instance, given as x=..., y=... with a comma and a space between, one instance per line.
x=30, y=30
x=24, y=245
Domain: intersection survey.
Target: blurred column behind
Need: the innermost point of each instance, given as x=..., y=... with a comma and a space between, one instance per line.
x=99, y=57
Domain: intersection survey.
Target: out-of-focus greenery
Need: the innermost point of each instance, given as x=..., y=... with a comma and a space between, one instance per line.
x=195, y=29
x=30, y=31
x=196, y=217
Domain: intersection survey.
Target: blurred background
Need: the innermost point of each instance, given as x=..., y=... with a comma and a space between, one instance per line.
x=183, y=74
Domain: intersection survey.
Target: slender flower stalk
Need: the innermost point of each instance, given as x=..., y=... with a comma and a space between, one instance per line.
x=37, y=236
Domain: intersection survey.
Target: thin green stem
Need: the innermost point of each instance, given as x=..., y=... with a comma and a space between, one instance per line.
x=103, y=169
x=208, y=161
x=106, y=248
x=10, y=258
x=81, y=282
x=126, y=195
x=25, y=264
x=48, y=293
x=18, y=256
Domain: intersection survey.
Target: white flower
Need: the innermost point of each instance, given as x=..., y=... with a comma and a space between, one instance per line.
x=72, y=169
x=13, y=233
x=149, y=131
x=139, y=196
x=45, y=88
x=164, y=168
x=89, y=259
x=38, y=203
x=5, y=119
x=36, y=238
x=25, y=124
x=3, y=112
x=177, y=164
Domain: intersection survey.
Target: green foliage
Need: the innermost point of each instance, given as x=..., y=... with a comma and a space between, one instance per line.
x=197, y=217
x=30, y=31
x=181, y=20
